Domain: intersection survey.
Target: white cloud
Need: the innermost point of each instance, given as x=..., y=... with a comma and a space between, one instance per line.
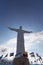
x=34, y=36
x=31, y=40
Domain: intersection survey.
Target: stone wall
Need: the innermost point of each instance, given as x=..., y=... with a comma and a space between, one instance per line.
x=21, y=61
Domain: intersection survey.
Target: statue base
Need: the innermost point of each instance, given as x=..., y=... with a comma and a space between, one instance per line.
x=21, y=61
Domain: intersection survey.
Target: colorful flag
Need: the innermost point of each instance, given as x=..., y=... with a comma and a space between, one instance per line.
x=11, y=54
x=32, y=54
x=6, y=55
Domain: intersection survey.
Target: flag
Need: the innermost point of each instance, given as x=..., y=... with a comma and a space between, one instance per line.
x=37, y=55
x=35, y=61
x=1, y=57
x=32, y=54
x=11, y=54
x=40, y=58
x=6, y=55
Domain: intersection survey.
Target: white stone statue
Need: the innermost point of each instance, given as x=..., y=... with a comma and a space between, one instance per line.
x=20, y=39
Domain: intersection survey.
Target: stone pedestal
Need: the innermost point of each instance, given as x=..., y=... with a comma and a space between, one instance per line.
x=21, y=61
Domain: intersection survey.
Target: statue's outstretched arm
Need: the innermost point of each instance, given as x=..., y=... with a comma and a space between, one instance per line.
x=13, y=29
x=27, y=31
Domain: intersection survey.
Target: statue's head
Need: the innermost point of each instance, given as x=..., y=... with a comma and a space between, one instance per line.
x=20, y=27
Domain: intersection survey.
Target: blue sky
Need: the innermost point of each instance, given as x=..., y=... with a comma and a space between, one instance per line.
x=13, y=13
